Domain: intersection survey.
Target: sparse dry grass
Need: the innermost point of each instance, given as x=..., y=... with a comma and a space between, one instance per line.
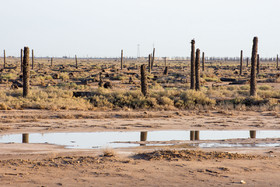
x=52, y=87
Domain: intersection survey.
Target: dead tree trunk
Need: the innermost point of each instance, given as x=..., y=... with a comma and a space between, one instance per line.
x=32, y=59
x=192, y=64
x=203, y=62
x=4, y=59
x=76, y=59
x=197, y=70
x=21, y=59
x=26, y=72
x=253, y=82
x=241, y=62
x=144, y=86
x=121, y=59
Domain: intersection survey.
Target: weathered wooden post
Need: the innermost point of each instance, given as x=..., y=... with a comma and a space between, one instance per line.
x=203, y=62
x=165, y=70
x=121, y=59
x=258, y=64
x=21, y=59
x=76, y=59
x=252, y=134
x=197, y=70
x=192, y=64
x=241, y=62
x=153, y=58
x=247, y=61
x=100, y=84
x=144, y=86
x=26, y=72
x=51, y=62
x=25, y=138
x=277, y=62
x=32, y=59
x=150, y=63
x=4, y=58
x=253, y=81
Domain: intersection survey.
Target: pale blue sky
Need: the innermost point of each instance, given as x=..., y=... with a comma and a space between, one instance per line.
x=104, y=27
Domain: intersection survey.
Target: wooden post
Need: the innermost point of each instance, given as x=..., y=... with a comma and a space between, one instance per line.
x=121, y=59
x=253, y=81
x=153, y=58
x=192, y=64
x=149, y=63
x=4, y=58
x=241, y=62
x=76, y=59
x=277, y=62
x=258, y=64
x=32, y=59
x=197, y=70
x=51, y=62
x=144, y=86
x=100, y=84
x=26, y=72
x=165, y=72
x=247, y=61
x=203, y=61
x=25, y=138
x=21, y=59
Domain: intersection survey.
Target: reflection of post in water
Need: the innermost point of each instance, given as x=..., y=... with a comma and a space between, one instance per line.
x=143, y=137
x=252, y=134
x=25, y=138
x=196, y=137
x=192, y=135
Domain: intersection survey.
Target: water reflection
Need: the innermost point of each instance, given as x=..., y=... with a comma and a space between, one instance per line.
x=25, y=138
x=252, y=134
x=194, y=135
x=143, y=137
x=129, y=139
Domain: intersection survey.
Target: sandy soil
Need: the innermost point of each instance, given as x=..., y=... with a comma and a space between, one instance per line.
x=51, y=165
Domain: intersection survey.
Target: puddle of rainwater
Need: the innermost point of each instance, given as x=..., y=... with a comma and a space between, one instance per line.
x=109, y=139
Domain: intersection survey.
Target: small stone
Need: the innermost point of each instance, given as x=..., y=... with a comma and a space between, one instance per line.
x=242, y=182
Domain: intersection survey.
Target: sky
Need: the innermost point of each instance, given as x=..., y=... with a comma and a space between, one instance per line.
x=101, y=28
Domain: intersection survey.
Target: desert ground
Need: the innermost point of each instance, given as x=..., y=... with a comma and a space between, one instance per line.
x=223, y=103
